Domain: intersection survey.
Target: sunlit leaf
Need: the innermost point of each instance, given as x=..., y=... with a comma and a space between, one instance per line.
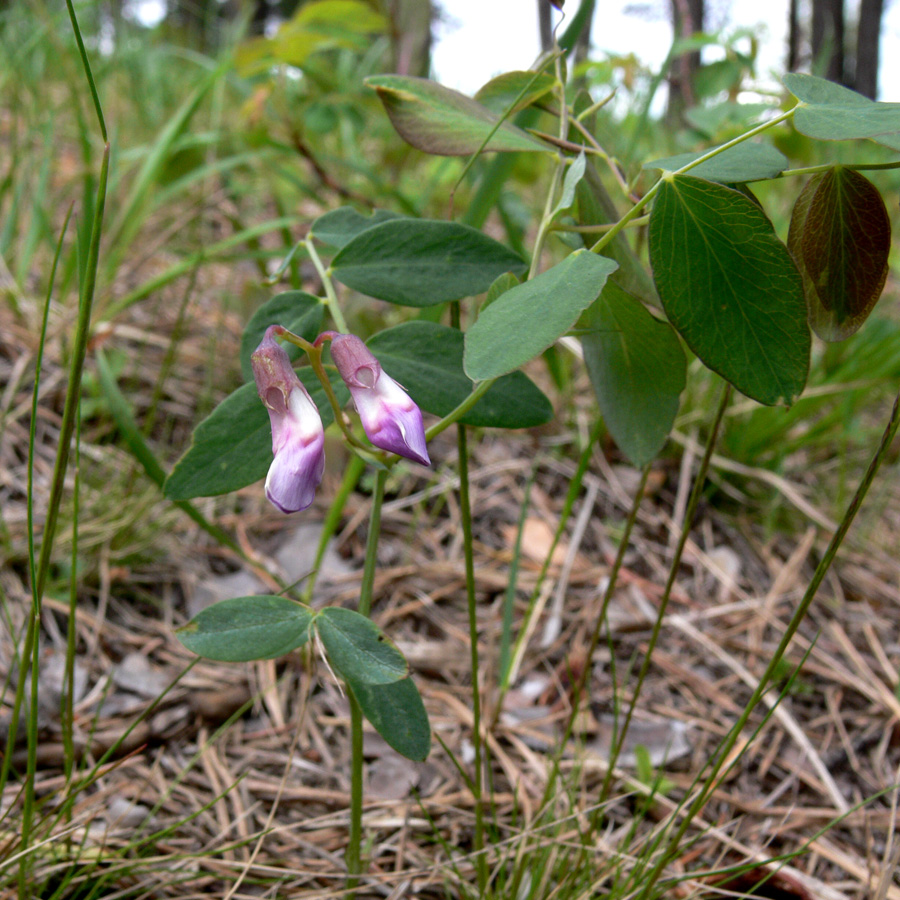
x=444, y=122
x=574, y=174
x=840, y=238
x=730, y=287
x=831, y=112
x=247, y=628
x=527, y=319
x=358, y=649
x=427, y=359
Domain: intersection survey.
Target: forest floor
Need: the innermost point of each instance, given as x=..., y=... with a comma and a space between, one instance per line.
x=222, y=772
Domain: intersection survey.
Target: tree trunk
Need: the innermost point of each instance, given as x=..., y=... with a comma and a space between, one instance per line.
x=867, y=39
x=827, y=38
x=545, y=24
x=793, y=54
x=687, y=19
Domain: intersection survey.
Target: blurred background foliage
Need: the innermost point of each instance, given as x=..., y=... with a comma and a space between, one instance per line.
x=234, y=124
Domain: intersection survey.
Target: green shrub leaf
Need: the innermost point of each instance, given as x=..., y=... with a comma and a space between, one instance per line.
x=444, y=122
x=513, y=91
x=744, y=162
x=296, y=310
x=419, y=262
x=427, y=359
x=840, y=238
x=830, y=112
x=637, y=367
x=358, y=649
x=527, y=319
x=246, y=628
x=730, y=287
x=398, y=715
x=338, y=227
x=232, y=446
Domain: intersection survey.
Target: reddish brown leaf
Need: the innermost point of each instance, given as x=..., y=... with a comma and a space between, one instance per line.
x=840, y=237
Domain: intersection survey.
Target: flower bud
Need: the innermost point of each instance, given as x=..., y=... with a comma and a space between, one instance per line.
x=390, y=418
x=298, y=439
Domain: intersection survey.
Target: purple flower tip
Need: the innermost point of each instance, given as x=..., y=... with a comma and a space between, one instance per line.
x=298, y=439
x=389, y=417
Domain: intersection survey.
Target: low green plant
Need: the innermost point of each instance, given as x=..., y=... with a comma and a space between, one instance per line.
x=720, y=283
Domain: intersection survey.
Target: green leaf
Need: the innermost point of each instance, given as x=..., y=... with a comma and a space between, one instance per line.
x=840, y=238
x=338, y=227
x=637, y=367
x=830, y=112
x=710, y=120
x=743, y=162
x=500, y=286
x=419, y=262
x=315, y=27
x=246, y=628
x=527, y=319
x=444, y=122
x=398, y=715
x=427, y=359
x=296, y=310
x=574, y=174
x=358, y=649
x=513, y=91
x=232, y=446
x=730, y=287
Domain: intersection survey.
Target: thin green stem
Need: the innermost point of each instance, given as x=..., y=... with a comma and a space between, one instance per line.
x=331, y=300
x=856, y=167
x=497, y=125
x=690, y=512
x=87, y=70
x=599, y=229
x=556, y=185
x=455, y=415
x=57, y=486
x=672, y=847
x=68, y=698
x=474, y=663
x=354, y=845
x=465, y=507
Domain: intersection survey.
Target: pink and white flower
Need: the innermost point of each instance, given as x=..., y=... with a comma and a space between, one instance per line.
x=389, y=417
x=298, y=439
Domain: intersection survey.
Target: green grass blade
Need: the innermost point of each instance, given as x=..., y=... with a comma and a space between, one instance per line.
x=218, y=249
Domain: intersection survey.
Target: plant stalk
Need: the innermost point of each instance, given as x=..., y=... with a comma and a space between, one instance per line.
x=354, y=846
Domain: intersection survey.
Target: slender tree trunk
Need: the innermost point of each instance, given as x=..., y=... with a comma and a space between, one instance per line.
x=545, y=24
x=687, y=19
x=793, y=54
x=827, y=38
x=867, y=39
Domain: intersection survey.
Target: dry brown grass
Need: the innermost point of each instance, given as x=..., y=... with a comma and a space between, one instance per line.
x=242, y=770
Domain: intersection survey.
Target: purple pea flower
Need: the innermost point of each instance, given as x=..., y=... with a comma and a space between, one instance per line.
x=298, y=440
x=390, y=418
